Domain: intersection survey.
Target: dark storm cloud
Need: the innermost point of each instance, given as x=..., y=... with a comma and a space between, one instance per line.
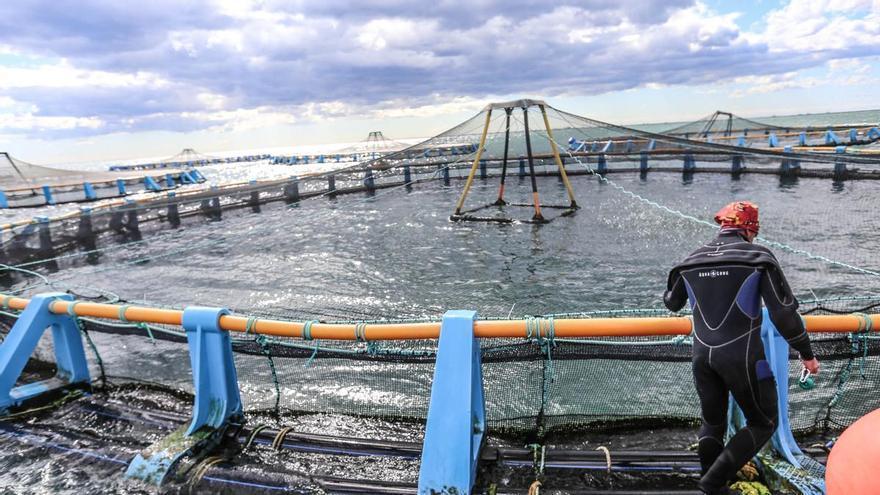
x=283, y=54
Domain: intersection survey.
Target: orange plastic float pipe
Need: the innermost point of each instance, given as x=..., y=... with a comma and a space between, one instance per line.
x=562, y=328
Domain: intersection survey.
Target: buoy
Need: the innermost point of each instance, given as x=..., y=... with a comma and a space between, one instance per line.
x=852, y=464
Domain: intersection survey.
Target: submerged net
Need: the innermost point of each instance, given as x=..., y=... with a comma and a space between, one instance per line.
x=388, y=252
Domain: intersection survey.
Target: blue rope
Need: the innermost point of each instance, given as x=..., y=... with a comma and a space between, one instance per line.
x=314, y=353
x=121, y=314
x=251, y=321
x=71, y=308
x=263, y=342
x=307, y=329
x=143, y=326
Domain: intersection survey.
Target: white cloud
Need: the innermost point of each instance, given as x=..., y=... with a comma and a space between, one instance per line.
x=64, y=75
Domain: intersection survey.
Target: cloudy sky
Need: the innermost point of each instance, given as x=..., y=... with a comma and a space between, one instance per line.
x=96, y=79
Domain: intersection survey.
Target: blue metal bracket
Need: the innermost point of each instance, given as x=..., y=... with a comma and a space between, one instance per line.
x=16, y=349
x=217, y=403
x=831, y=138
x=457, y=412
x=151, y=184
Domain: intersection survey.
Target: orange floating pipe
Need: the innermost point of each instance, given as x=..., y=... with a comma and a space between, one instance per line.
x=562, y=328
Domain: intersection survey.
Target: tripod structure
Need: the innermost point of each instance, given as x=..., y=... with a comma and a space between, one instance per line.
x=538, y=216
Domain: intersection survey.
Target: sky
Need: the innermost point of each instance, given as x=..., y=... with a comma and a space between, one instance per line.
x=110, y=80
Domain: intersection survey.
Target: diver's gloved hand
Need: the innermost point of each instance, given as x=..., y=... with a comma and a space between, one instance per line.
x=812, y=365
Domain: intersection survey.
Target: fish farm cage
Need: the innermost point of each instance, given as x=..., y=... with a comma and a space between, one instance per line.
x=24, y=185
x=472, y=403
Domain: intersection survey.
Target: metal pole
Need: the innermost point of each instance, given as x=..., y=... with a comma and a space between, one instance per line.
x=558, y=159
x=500, y=201
x=470, y=178
x=538, y=216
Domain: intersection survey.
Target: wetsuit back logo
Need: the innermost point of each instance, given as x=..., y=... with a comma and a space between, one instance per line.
x=714, y=273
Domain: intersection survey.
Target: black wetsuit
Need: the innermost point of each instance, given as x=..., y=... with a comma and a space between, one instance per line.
x=725, y=281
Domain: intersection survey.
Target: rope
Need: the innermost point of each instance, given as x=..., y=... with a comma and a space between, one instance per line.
x=71, y=308
x=253, y=436
x=314, y=354
x=146, y=328
x=607, y=457
x=121, y=314
x=278, y=443
x=360, y=332
x=265, y=349
x=201, y=470
x=100, y=362
x=307, y=329
x=251, y=323
x=72, y=395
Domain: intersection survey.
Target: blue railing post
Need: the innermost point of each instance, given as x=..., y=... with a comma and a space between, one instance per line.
x=16, y=349
x=772, y=140
x=120, y=185
x=522, y=166
x=407, y=174
x=643, y=162
x=4, y=203
x=169, y=180
x=89, y=191
x=217, y=400
x=602, y=165
x=483, y=172
x=47, y=193
x=457, y=412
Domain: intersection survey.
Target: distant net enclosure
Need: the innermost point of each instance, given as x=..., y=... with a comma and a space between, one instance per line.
x=727, y=128
x=24, y=184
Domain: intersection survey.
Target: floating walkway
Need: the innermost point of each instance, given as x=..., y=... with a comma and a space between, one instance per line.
x=188, y=158
x=456, y=424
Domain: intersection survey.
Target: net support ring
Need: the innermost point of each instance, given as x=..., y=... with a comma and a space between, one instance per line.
x=217, y=406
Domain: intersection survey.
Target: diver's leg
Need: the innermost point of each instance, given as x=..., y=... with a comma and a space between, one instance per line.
x=755, y=393
x=713, y=403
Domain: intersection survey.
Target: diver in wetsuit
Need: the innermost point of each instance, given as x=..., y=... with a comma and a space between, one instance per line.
x=725, y=281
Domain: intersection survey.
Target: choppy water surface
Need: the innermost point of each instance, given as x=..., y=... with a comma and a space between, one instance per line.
x=395, y=254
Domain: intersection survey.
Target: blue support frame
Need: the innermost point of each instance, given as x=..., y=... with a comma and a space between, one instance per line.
x=16, y=349
x=457, y=412
x=217, y=404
